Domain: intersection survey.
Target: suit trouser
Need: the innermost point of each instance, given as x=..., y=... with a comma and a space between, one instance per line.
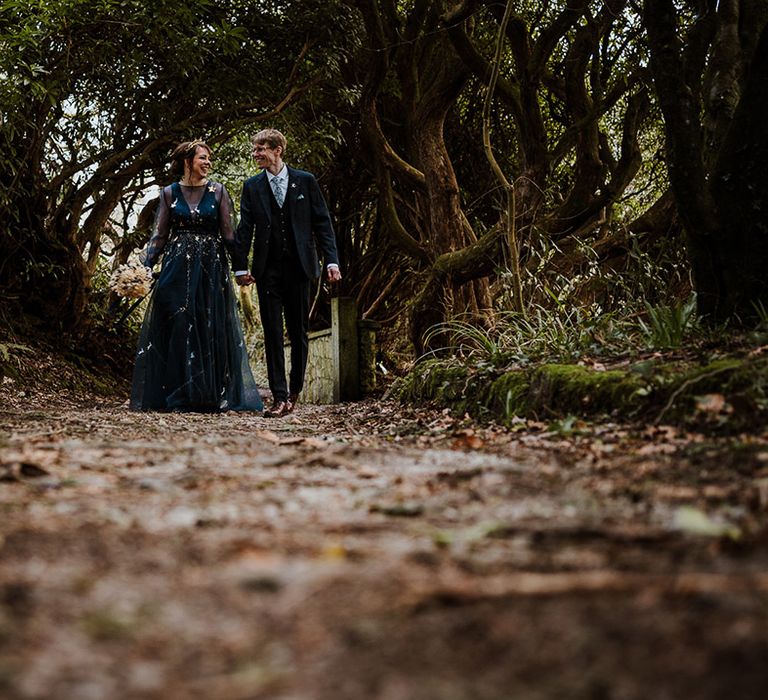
x=283, y=292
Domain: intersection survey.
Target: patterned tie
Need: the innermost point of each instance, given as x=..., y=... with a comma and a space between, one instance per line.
x=277, y=189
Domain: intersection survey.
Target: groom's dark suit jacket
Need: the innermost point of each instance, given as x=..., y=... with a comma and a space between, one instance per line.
x=310, y=221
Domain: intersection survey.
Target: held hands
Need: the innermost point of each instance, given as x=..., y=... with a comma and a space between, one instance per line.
x=334, y=274
x=244, y=280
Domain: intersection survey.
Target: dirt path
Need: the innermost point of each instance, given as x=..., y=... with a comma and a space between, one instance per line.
x=370, y=552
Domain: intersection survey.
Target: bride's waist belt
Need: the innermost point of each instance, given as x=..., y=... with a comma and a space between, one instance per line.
x=194, y=232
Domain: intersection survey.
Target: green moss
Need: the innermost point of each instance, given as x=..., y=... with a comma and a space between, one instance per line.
x=507, y=396
x=433, y=380
x=547, y=390
x=566, y=389
x=743, y=383
x=652, y=390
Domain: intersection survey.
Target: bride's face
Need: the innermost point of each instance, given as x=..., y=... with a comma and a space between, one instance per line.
x=200, y=164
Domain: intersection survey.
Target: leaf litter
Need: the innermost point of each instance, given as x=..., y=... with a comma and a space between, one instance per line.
x=374, y=550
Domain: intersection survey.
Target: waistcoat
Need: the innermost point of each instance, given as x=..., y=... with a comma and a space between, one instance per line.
x=282, y=241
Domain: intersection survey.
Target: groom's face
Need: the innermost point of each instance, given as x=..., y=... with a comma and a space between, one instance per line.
x=266, y=156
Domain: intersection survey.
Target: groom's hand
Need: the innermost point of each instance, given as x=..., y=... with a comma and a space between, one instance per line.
x=334, y=274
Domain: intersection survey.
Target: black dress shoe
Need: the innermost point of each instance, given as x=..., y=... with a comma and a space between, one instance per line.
x=277, y=409
x=293, y=399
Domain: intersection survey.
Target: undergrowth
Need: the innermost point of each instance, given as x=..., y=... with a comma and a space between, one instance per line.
x=594, y=313
x=97, y=357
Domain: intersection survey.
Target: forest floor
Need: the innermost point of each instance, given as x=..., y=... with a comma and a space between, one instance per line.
x=374, y=551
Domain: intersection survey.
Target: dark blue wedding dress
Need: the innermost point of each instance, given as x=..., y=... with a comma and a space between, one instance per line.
x=191, y=354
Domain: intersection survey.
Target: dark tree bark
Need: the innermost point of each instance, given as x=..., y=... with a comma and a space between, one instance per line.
x=415, y=87
x=739, y=185
x=420, y=195
x=716, y=144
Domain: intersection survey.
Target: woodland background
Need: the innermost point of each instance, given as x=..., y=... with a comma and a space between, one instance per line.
x=529, y=179
x=558, y=207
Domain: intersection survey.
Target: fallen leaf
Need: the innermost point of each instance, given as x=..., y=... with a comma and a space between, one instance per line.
x=269, y=436
x=670, y=492
x=713, y=403
x=334, y=552
x=657, y=449
x=467, y=439
x=696, y=522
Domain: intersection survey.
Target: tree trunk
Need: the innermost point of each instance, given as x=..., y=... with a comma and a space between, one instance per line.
x=740, y=187
x=680, y=105
x=722, y=207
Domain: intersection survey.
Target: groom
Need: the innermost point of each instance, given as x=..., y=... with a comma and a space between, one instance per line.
x=283, y=217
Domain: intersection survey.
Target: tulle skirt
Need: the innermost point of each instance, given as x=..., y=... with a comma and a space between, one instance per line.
x=192, y=354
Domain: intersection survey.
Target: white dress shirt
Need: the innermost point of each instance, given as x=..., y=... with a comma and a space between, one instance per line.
x=282, y=176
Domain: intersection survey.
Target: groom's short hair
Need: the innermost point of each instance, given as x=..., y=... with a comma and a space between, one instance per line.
x=272, y=137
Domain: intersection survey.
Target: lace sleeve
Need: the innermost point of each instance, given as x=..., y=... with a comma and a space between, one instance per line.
x=160, y=229
x=227, y=222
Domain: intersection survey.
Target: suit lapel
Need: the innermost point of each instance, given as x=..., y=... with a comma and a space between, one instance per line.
x=262, y=186
x=292, y=194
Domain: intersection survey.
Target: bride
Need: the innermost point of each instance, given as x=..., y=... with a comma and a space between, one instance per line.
x=191, y=354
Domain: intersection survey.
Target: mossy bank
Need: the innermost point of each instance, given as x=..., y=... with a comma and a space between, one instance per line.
x=724, y=394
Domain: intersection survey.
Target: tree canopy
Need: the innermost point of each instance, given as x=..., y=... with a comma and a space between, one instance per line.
x=96, y=92
x=389, y=102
